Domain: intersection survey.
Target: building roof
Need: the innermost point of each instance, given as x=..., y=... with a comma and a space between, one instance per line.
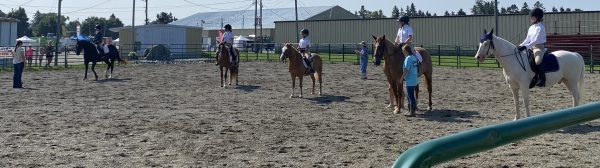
x=244, y=19
x=5, y=19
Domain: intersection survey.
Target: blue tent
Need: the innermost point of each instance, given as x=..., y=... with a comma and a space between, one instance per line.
x=80, y=37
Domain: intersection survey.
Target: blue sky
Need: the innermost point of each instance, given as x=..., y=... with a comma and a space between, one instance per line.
x=81, y=9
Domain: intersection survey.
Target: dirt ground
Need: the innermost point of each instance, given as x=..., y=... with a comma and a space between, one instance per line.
x=178, y=116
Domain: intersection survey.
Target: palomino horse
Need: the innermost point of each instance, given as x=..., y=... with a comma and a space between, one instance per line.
x=518, y=73
x=224, y=62
x=394, y=59
x=297, y=69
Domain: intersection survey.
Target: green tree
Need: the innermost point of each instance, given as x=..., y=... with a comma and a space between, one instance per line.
x=461, y=12
x=44, y=23
x=483, y=7
x=540, y=5
x=562, y=9
x=395, y=12
x=111, y=22
x=71, y=28
x=503, y=10
x=513, y=9
x=446, y=13
x=88, y=26
x=577, y=10
x=525, y=9
x=164, y=18
x=2, y=14
x=413, y=10
x=23, y=23
x=363, y=13
x=568, y=10
x=554, y=9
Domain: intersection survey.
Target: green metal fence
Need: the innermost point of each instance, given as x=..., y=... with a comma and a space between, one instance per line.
x=451, y=147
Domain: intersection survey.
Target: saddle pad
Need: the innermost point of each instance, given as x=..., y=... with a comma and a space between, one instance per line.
x=550, y=63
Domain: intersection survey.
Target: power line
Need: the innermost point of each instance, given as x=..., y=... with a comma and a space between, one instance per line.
x=206, y=6
x=104, y=2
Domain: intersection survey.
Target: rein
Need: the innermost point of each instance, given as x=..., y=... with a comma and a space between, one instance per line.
x=517, y=54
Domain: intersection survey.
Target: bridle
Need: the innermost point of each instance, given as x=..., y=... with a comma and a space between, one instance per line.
x=516, y=53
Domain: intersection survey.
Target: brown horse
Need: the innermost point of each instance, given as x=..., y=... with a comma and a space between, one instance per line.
x=394, y=59
x=224, y=62
x=297, y=69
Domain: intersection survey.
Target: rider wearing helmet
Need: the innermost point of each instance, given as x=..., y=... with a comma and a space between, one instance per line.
x=303, y=47
x=536, y=40
x=98, y=38
x=227, y=40
x=405, y=35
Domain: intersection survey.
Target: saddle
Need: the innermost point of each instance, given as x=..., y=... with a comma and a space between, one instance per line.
x=549, y=64
x=308, y=64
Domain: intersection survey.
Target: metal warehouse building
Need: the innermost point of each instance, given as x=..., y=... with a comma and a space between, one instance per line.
x=243, y=21
x=442, y=30
x=8, y=31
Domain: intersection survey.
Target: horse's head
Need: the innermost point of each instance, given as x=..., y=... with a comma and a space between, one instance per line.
x=285, y=51
x=79, y=46
x=379, y=49
x=486, y=46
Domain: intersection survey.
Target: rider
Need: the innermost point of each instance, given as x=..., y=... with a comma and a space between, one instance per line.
x=227, y=40
x=536, y=40
x=303, y=47
x=405, y=36
x=98, y=38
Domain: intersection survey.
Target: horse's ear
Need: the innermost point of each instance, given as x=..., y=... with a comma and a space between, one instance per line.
x=492, y=31
x=484, y=31
x=383, y=37
x=374, y=38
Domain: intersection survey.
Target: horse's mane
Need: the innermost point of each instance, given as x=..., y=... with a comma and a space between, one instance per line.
x=295, y=50
x=505, y=41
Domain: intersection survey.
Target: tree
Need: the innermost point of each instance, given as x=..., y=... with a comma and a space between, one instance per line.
x=2, y=14
x=88, y=26
x=164, y=18
x=554, y=9
x=483, y=7
x=446, y=13
x=562, y=9
x=413, y=9
x=44, y=23
x=23, y=23
x=362, y=12
x=525, y=9
x=577, y=10
x=402, y=12
x=111, y=22
x=434, y=14
x=538, y=4
x=453, y=14
x=503, y=10
x=461, y=12
x=513, y=9
x=568, y=10
x=395, y=12
x=71, y=28
x=427, y=14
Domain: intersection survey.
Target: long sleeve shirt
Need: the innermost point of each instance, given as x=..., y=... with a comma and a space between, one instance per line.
x=535, y=35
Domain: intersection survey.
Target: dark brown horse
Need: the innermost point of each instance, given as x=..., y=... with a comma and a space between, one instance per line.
x=297, y=69
x=394, y=59
x=224, y=62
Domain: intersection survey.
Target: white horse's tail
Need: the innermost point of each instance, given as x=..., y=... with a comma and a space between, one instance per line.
x=581, y=81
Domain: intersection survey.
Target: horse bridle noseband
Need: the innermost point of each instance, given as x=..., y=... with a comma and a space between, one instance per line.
x=516, y=53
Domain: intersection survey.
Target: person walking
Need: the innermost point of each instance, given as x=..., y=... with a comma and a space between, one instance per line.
x=18, y=64
x=364, y=59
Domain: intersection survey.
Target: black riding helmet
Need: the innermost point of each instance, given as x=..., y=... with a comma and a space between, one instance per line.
x=403, y=18
x=304, y=31
x=99, y=27
x=227, y=27
x=538, y=13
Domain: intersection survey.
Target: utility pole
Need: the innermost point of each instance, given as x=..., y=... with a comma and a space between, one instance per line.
x=255, y=17
x=496, y=16
x=296, y=7
x=58, y=34
x=147, y=21
x=133, y=27
x=261, y=20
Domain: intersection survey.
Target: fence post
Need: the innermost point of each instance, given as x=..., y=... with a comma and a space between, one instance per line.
x=247, y=56
x=268, y=55
x=329, y=51
x=439, y=55
x=459, y=61
x=591, y=59
x=555, y=27
x=256, y=47
x=343, y=54
x=457, y=57
x=66, y=55
x=579, y=27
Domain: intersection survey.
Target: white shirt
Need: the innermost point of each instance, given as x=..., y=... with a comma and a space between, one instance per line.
x=105, y=48
x=19, y=55
x=535, y=35
x=304, y=43
x=228, y=37
x=403, y=33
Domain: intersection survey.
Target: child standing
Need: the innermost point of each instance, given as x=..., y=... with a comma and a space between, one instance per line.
x=364, y=59
x=409, y=74
x=29, y=55
x=19, y=65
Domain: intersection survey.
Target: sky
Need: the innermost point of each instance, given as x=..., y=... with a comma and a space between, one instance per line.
x=81, y=9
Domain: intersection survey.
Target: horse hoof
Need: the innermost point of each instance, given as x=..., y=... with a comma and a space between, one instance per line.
x=396, y=110
x=291, y=96
x=300, y=96
x=389, y=106
x=429, y=108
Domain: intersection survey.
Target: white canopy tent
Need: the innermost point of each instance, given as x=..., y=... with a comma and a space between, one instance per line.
x=26, y=39
x=240, y=41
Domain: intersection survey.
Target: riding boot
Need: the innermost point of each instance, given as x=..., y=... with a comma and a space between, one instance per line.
x=535, y=80
x=542, y=76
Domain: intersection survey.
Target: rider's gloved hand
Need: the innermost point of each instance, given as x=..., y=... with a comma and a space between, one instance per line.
x=521, y=48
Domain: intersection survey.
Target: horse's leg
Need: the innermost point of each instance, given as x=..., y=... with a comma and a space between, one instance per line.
x=416, y=95
x=429, y=89
x=573, y=87
x=112, y=67
x=107, y=68
x=394, y=87
x=227, y=71
x=515, y=92
x=313, y=82
x=293, y=85
x=85, y=64
x=320, y=82
x=391, y=96
x=221, y=70
x=300, y=84
x=93, y=70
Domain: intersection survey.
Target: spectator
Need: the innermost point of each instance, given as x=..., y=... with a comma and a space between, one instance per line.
x=364, y=59
x=29, y=55
x=40, y=56
x=19, y=65
x=49, y=53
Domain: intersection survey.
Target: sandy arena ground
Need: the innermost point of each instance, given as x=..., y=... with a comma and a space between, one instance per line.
x=178, y=116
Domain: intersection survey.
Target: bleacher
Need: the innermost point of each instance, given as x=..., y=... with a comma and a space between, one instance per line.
x=576, y=43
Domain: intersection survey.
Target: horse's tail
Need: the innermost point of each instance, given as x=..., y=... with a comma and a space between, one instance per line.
x=581, y=80
x=122, y=61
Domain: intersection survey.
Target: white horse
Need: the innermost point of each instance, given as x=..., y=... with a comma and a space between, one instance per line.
x=518, y=73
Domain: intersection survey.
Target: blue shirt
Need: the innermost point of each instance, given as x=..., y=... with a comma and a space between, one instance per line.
x=411, y=64
x=364, y=52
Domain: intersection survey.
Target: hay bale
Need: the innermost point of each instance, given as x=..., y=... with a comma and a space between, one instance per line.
x=159, y=53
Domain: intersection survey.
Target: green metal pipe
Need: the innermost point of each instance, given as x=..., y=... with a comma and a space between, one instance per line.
x=458, y=145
